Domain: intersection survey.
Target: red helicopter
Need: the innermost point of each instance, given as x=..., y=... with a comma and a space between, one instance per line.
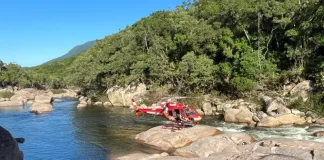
x=171, y=109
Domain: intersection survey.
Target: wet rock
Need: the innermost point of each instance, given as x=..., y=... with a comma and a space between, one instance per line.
x=40, y=108
x=120, y=96
x=319, y=134
x=9, y=149
x=241, y=115
x=107, y=104
x=204, y=147
x=98, y=104
x=166, y=140
x=58, y=100
x=82, y=105
x=320, y=121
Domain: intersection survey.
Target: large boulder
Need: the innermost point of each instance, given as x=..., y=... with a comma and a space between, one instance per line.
x=204, y=147
x=39, y=108
x=302, y=90
x=9, y=149
x=284, y=119
x=276, y=104
x=241, y=115
x=46, y=98
x=166, y=140
x=27, y=93
x=11, y=103
x=121, y=96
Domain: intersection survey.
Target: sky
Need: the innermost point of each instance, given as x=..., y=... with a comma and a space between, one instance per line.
x=35, y=31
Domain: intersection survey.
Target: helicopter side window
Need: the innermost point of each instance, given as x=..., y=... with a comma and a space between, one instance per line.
x=177, y=114
x=189, y=112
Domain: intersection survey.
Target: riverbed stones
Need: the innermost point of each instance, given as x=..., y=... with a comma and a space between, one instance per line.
x=9, y=149
x=206, y=146
x=168, y=140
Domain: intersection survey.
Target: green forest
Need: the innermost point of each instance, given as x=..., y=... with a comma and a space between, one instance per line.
x=203, y=46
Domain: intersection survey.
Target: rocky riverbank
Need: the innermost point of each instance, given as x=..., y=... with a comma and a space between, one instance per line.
x=205, y=142
x=41, y=100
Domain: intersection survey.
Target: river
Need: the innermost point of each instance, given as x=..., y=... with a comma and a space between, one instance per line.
x=103, y=133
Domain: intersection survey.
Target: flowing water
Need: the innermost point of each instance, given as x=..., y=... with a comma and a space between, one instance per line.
x=104, y=133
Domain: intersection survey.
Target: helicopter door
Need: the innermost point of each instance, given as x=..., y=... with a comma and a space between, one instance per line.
x=170, y=113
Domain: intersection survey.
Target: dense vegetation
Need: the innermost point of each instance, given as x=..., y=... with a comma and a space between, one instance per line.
x=204, y=46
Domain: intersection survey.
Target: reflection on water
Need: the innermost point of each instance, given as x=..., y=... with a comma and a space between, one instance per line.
x=11, y=109
x=104, y=133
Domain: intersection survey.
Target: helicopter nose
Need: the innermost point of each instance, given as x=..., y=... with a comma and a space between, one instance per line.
x=197, y=119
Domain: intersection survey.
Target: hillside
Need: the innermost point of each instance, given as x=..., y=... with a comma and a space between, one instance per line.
x=206, y=46
x=75, y=50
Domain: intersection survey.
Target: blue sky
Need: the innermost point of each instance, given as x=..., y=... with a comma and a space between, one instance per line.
x=35, y=31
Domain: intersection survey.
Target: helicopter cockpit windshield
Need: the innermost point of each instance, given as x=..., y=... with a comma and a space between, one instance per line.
x=190, y=112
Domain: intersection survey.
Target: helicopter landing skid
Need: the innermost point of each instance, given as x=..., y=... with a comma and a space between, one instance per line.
x=176, y=125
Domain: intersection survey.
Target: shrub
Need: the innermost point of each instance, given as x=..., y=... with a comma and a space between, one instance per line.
x=242, y=84
x=315, y=104
x=6, y=94
x=58, y=91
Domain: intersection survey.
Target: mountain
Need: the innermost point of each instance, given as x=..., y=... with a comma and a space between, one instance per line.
x=75, y=50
